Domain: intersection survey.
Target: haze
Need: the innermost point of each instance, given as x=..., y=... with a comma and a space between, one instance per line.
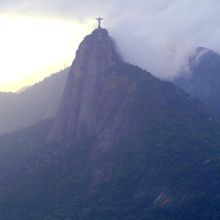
x=40, y=37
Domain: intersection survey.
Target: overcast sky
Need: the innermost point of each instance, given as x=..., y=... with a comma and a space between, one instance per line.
x=154, y=34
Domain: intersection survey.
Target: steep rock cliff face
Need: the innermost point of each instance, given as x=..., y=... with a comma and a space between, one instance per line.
x=77, y=113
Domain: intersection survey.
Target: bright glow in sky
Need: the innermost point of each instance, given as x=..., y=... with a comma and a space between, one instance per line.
x=33, y=47
x=39, y=37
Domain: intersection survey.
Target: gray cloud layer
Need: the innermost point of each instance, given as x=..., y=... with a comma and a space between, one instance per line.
x=154, y=34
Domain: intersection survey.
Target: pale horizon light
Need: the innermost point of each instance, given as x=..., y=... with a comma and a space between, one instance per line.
x=34, y=47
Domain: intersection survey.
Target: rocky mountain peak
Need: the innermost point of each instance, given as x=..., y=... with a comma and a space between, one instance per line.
x=201, y=54
x=94, y=57
x=202, y=78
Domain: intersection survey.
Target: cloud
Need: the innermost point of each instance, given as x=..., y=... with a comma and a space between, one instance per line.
x=156, y=35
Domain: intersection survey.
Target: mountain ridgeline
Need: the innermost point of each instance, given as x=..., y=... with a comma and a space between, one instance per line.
x=202, y=80
x=124, y=145
x=33, y=104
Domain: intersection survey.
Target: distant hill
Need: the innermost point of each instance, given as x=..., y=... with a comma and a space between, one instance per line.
x=202, y=78
x=32, y=104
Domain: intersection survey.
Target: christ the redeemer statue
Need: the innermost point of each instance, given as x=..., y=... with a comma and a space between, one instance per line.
x=99, y=19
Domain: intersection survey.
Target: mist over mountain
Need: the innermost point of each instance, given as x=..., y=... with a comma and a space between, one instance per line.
x=33, y=104
x=123, y=145
x=202, y=77
x=163, y=31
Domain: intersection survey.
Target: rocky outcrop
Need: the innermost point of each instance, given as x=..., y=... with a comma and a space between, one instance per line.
x=78, y=109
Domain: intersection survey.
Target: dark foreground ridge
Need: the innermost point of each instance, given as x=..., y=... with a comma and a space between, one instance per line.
x=124, y=146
